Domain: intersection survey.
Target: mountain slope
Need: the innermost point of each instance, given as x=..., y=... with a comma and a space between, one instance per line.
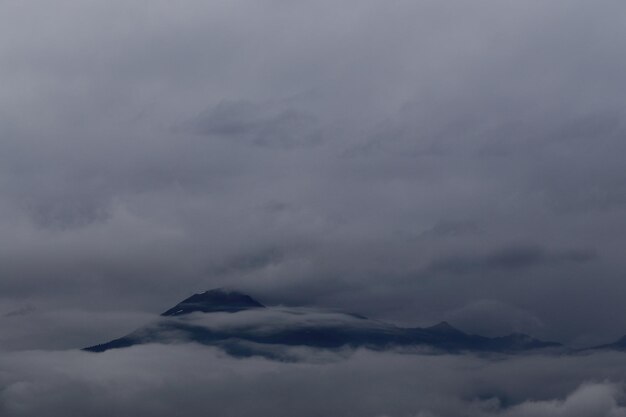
x=619, y=345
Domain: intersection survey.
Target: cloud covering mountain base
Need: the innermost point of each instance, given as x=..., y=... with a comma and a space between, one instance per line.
x=193, y=380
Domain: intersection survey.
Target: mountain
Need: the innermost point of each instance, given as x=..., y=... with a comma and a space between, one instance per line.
x=242, y=326
x=619, y=344
x=214, y=301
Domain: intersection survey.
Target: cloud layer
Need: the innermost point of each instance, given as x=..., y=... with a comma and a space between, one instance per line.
x=192, y=380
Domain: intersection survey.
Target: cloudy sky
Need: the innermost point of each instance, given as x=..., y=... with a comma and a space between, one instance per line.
x=414, y=161
x=410, y=160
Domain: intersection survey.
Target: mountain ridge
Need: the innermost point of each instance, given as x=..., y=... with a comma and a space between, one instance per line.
x=242, y=326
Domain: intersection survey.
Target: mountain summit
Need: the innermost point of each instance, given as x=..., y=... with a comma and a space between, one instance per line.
x=212, y=301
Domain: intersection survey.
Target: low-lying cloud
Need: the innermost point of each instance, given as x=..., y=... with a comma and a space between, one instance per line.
x=167, y=380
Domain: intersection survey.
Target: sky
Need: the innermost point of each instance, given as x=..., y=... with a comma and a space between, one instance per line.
x=413, y=161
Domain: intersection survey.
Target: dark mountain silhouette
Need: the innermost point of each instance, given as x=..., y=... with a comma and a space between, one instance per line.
x=242, y=326
x=619, y=344
x=213, y=301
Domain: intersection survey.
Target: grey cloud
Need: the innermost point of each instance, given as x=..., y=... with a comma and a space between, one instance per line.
x=451, y=229
x=492, y=317
x=163, y=380
x=68, y=211
x=20, y=312
x=267, y=125
x=56, y=328
x=601, y=399
x=252, y=262
x=511, y=258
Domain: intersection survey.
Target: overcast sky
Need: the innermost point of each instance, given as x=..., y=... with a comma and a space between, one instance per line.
x=413, y=161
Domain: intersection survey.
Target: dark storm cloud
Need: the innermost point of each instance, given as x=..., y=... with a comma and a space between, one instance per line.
x=357, y=156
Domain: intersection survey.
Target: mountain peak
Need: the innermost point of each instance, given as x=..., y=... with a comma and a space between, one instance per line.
x=218, y=299
x=444, y=327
